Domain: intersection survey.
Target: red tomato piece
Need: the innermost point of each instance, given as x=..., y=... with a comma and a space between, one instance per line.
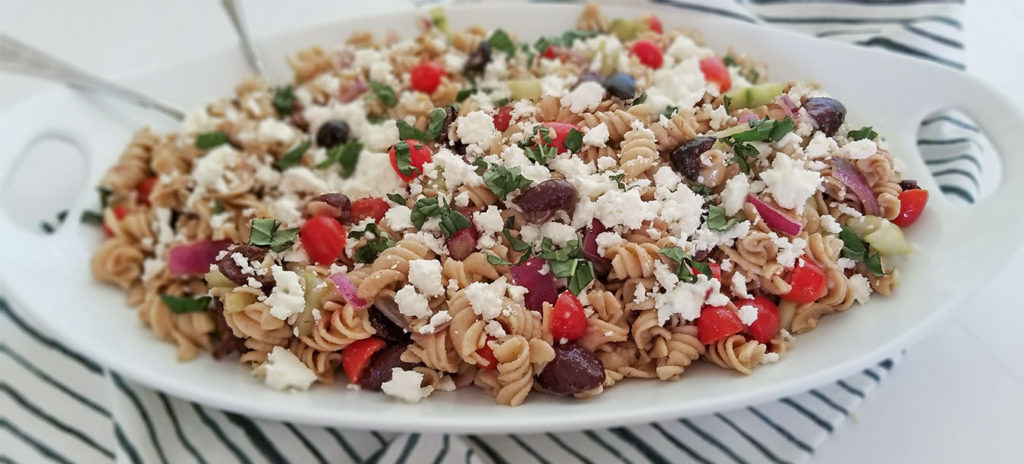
x=557, y=131
x=808, y=282
x=323, y=238
x=648, y=52
x=716, y=270
x=716, y=323
x=554, y=52
x=912, y=204
x=502, y=118
x=426, y=76
x=714, y=70
x=767, y=324
x=654, y=24
x=120, y=211
x=568, y=320
x=489, y=362
x=356, y=357
x=419, y=155
x=145, y=188
x=369, y=207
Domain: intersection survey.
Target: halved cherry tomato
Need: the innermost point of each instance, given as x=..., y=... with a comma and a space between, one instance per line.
x=557, y=133
x=716, y=323
x=502, y=118
x=714, y=70
x=426, y=76
x=568, y=320
x=369, y=207
x=145, y=188
x=120, y=211
x=767, y=323
x=489, y=362
x=716, y=270
x=356, y=357
x=554, y=52
x=323, y=238
x=911, y=206
x=654, y=24
x=419, y=155
x=807, y=280
x=648, y=52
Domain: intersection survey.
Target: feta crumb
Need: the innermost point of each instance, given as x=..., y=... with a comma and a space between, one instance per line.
x=847, y=210
x=639, y=294
x=605, y=163
x=748, y=314
x=726, y=265
x=486, y=302
x=846, y=263
x=476, y=127
x=288, y=297
x=734, y=195
x=405, y=385
x=596, y=136
x=425, y=275
x=789, y=251
x=209, y=170
x=860, y=286
x=719, y=117
x=399, y=217
x=829, y=224
x=271, y=130
x=789, y=183
x=436, y=321
x=494, y=329
x=607, y=240
x=585, y=97
x=860, y=149
x=769, y=358
x=283, y=370
x=489, y=221
x=820, y=146
x=151, y=267
x=684, y=299
x=739, y=285
x=412, y=304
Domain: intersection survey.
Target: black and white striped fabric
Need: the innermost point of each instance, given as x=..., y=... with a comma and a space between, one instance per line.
x=57, y=405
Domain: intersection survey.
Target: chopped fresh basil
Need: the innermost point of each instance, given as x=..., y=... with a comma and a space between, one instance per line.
x=293, y=156
x=726, y=101
x=717, y=219
x=453, y=221
x=266, y=233
x=105, y=193
x=565, y=40
x=436, y=124
x=642, y=98
x=406, y=131
x=517, y=244
x=384, y=93
x=700, y=189
x=218, y=207
x=369, y=252
x=581, y=276
x=396, y=198
x=284, y=239
x=403, y=159
x=573, y=141
x=856, y=249
x=423, y=209
x=729, y=60
x=284, y=101
x=670, y=111
x=497, y=261
x=91, y=217
x=502, y=180
x=568, y=263
x=865, y=132
x=376, y=120
x=764, y=131
x=502, y=102
x=346, y=155
x=744, y=151
x=618, y=181
x=464, y=94
x=499, y=40
x=182, y=304
x=685, y=264
x=211, y=139
x=541, y=154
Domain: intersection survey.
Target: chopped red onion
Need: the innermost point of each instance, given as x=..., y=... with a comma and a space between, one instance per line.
x=601, y=264
x=194, y=258
x=854, y=180
x=348, y=290
x=462, y=243
x=353, y=91
x=542, y=286
x=788, y=106
x=775, y=218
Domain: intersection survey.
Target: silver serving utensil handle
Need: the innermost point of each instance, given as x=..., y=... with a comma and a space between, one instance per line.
x=237, y=15
x=20, y=58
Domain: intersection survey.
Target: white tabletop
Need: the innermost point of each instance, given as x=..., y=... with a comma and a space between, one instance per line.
x=955, y=397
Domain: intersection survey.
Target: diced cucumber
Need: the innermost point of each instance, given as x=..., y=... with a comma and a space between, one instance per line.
x=884, y=237
x=624, y=29
x=237, y=301
x=865, y=225
x=314, y=290
x=732, y=130
x=440, y=18
x=755, y=95
x=528, y=89
x=215, y=278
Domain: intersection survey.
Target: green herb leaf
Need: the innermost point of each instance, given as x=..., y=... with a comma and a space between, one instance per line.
x=865, y=132
x=464, y=94
x=618, y=181
x=726, y=101
x=436, y=124
x=502, y=180
x=384, y=93
x=683, y=264
x=406, y=131
x=91, y=217
x=453, y=221
x=403, y=159
x=782, y=128
x=729, y=60
x=293, y=156
x=765, y=131
x=182, y=305
x=541, y=153
x=368, y=253
x=105, y=193
x=581, y=277
x=499, y=40
x=670, y=110
x=284, y=101
x=856, y=249
x=700, y=189
x=218, y=207
x=573, y=141
x=497, y=261
x=423, y=209
x=642, y=98
x=717, y=219
x=396, y=198
x=262, y=232
x=346, y=155
x=517, y=244
x=703, y=268
x=376, y=120
x=284, y=239
x=211, y=139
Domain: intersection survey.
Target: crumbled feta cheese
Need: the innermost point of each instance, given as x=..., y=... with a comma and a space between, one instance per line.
x=288, y=297
x=726, y=265
x=283, y=370
x=596, y=136
x=616, y=207
x=748, y=314
x=789, y=251
x=847, y=210
x=484, y=299
x=436, y=321
x=489, y=221
x=739, y=285
x=606, y=163
x=559, y=233
x=829, y=224
x=639, y=294
x=846, y=263
x=820, y=146
x=666, y=178
x=271, y=130
x=300, y=179
x=405, y=385
x=769, y=358
x=456, y=170
x=734, y=195
x=683, y=48
x=373, y=177
x=860, y=286
x=476, y=127
x=585, y=97
x=860, y=149
x=684, y=299
x=412, y=304
x=462, y=199
x=719, y=117
x=151, y=267
x=606, y=240
x=789, y=183
x=494, y=329
x=682, y=85
x=209, y=170
x=425, y=275
x=399, y=217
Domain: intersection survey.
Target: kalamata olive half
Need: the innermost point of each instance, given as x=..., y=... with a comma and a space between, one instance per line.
x=686, y=157
x=620, y=85
x=449, y=118
x=335, y=205
x=477, y=61
x=233, y=271
x=542, y=200
x=574, y=370
x=384, y=328
x=379, y=370
x=909, y=184
x=332, y=133
x=828, y=113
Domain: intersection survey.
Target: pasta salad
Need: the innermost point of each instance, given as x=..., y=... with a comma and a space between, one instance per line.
x=467, y=208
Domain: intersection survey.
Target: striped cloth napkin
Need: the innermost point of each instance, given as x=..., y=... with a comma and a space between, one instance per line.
x=57, y=405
